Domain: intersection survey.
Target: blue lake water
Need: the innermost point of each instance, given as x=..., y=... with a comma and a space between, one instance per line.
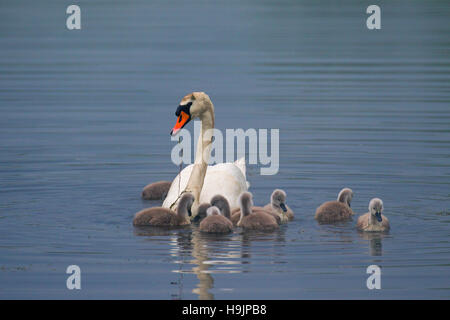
x=85, y=117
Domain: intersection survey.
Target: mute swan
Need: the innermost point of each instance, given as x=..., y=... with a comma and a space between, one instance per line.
x=252, y=219
x=334, y=211
x=373, y=220
x=156, y=191
x=203, y=181
x=215, y=222
x=163, y=217
x=278, y=206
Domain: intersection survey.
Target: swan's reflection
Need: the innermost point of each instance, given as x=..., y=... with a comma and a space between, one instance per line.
x=147, y=231
x=207, y=254
x=180, y=242
x=375, y=241
x=213, y=254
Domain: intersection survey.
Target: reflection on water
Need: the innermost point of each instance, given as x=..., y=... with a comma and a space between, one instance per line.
x=205, y=255
x=219, y=254
x=375, y=241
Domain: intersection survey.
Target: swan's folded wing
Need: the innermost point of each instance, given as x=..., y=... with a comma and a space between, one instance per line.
x=226, y=179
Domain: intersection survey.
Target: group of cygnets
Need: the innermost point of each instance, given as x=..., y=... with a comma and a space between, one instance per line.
x=340, y=210
x=217, y=216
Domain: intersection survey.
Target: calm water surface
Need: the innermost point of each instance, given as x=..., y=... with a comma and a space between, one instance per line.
x=85, y=121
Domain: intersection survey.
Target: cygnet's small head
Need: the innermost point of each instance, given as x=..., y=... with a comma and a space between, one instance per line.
x=222, y=203
x=345, y=196
x=278, y=199
x=246, y=203
x=201, y=213
x=192, y=106
x=376, y=208
x=186, y=202
x=213, y=211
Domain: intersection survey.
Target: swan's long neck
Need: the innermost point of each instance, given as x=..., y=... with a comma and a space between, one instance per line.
x=195, y=182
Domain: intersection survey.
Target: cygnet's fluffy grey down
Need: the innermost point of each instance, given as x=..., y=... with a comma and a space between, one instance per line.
x=156, y=191
x=336, y=211
x=215, y=222
x=252, y=219
x=279, y=207
x=222, y=204
x=158, y=216
x=201, y=212
x=373, y=220
x=276, y=208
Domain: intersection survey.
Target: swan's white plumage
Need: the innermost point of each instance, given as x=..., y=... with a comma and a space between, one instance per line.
x=227, y=179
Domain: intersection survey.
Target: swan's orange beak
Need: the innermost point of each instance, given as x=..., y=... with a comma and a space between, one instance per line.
x=182, y=120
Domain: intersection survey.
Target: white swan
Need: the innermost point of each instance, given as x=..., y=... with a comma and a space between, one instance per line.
x=203, y=181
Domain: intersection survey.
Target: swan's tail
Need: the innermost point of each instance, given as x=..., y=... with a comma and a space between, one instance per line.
x=240, y=163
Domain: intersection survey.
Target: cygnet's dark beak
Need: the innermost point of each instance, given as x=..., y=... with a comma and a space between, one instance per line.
x=378, y=216
x=283, y=207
